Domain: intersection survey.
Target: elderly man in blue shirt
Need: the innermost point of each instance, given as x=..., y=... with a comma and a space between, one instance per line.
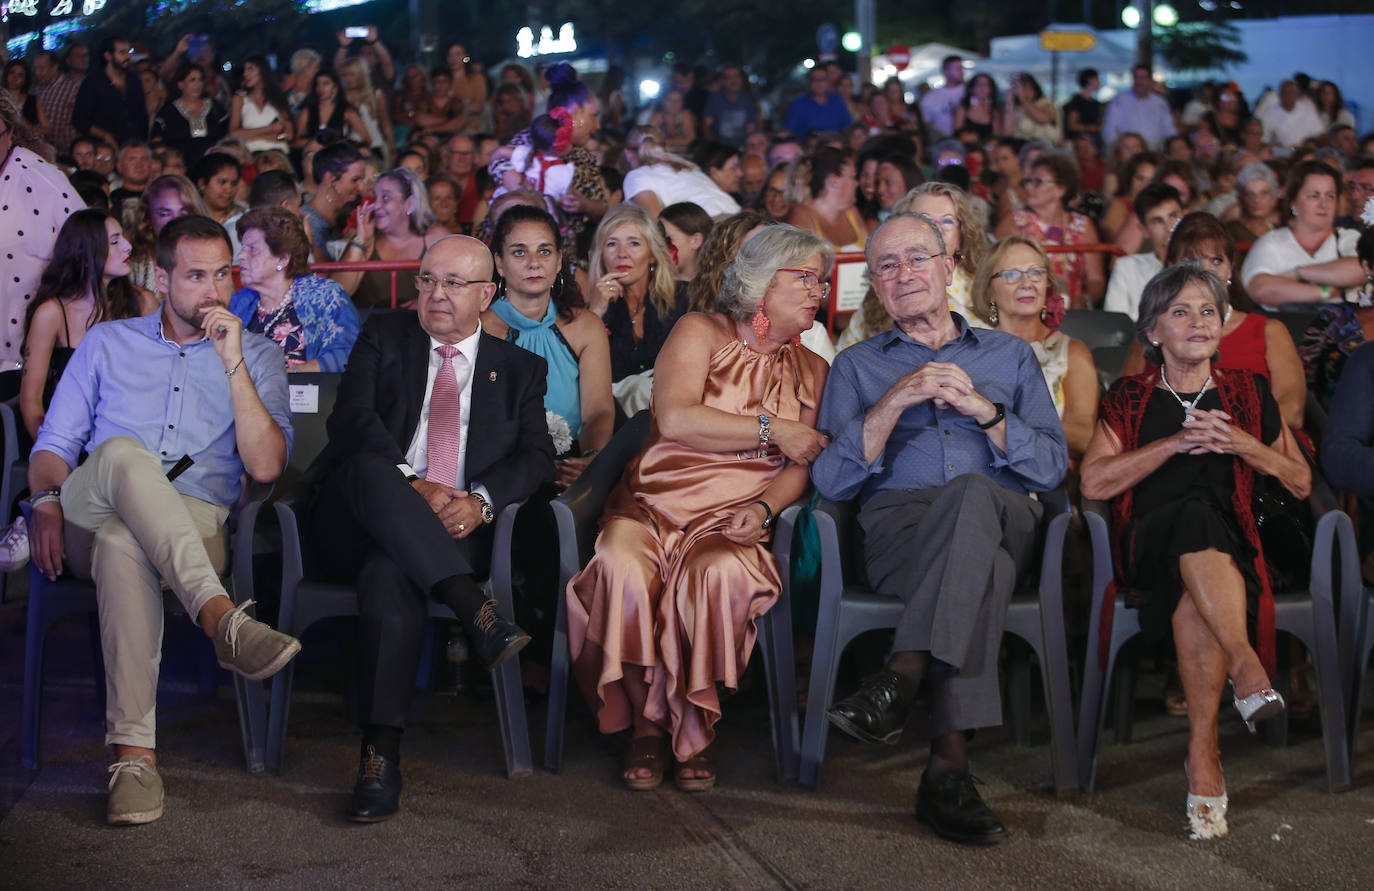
x=941, y=431
x=141, y=396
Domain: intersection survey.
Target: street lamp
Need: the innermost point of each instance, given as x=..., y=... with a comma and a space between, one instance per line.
x=1130, y=17
x=1165, y=16
x=852, y=41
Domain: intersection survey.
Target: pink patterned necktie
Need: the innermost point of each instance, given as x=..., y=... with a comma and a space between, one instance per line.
x=445, y=421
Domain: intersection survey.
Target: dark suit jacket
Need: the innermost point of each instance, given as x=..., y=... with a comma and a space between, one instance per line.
x=383, y=390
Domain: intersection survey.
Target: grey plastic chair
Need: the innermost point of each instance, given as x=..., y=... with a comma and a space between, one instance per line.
x=305, y=602
x=50, y=601
x=848, y=607
x=14, y=470
x=1099, y=328
x=578, y=514
x=1308, y=616
x=1357, y=640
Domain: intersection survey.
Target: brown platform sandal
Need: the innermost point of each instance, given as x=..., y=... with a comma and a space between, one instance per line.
x=703, y=760
x=644, y=753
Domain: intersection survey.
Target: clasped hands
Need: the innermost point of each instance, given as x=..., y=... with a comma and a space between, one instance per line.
x=948, y=386
x=1211, y=430
x=460, y=513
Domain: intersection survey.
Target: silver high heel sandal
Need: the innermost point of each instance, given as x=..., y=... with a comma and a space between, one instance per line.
x=1206, y=814
x=1258, y=706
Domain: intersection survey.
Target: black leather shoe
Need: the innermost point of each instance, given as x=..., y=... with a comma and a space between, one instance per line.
x=951, y=806
x=494, y=638
x=876, y=712
x=377, y=794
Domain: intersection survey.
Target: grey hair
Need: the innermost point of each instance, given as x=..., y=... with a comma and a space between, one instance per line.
x=302, y=59
x=948, y=145
x=422, y=218
x=919, y=217
x=1034, y=147
x=759, y=259
x=1256, y=170
x=1163, y=290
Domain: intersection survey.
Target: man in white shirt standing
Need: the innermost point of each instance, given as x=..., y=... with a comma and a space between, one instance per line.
x=938, y=106
x=1159, y=208
x=1138, y=110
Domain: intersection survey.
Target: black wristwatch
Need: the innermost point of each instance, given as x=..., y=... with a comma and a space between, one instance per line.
x=997, y=418
x=488, y=515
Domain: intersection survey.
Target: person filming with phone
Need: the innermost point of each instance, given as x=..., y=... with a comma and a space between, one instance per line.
x=183, y=388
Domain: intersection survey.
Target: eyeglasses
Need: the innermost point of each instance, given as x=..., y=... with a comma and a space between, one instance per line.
x=424, y=283
x=1038, y=181
x=809, y=280
x=1035, y=274
x=890, y=269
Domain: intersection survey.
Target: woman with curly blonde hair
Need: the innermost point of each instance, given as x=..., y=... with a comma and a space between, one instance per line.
x=949, y=208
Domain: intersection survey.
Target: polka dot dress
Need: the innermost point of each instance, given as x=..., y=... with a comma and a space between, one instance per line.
x=35, y=200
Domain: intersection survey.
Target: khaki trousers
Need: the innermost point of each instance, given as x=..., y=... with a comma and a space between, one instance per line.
x=126, y=529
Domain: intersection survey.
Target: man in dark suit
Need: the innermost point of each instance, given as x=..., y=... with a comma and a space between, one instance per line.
x=437, y=427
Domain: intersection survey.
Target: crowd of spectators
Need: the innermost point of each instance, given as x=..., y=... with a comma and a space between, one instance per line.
x=610, y=227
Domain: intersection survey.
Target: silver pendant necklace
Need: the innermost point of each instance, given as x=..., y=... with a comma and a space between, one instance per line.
x=1187, y=406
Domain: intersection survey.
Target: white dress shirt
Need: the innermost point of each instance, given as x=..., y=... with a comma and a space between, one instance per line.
x=1130, y=274
x=417, y=456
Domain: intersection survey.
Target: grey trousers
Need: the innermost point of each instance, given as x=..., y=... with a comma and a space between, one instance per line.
x=126, y=529
x=953, y=555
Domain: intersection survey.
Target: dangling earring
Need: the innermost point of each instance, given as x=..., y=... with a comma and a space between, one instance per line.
x=992, y=315
x=760, y=323
x=1044, y=314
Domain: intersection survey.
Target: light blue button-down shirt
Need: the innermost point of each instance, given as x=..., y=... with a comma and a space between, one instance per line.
x=929, y=446
x=127, y=379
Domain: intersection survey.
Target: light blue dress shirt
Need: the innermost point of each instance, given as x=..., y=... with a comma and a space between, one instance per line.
x=929, y=446
x=127, y=379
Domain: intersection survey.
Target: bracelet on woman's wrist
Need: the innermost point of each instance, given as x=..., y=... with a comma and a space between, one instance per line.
x=768, y=514
x=359, y=245
x=765, y=434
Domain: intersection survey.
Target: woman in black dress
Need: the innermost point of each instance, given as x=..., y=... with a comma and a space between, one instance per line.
x=192, y=121
x=1179, y=451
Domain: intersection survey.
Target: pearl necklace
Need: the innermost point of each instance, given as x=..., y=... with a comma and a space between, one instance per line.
x=1187, y=406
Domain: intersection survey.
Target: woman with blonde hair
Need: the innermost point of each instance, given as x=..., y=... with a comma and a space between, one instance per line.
x=658, y=178
x=371, y=106
x=165, y=198
x=631, y=288
x=1015, y=291
x=949, y=208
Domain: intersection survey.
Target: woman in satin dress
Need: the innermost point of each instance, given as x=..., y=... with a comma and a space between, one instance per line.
x=665, y=609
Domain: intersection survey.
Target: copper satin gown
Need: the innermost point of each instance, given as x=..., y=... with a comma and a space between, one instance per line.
x=665, y=589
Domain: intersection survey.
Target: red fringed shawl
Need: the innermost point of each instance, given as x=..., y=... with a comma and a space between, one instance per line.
x=1122, y=410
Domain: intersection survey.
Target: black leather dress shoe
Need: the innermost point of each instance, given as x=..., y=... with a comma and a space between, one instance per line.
x=951, y=806
x=494, y=638
x=377, y=794
x=876, y=712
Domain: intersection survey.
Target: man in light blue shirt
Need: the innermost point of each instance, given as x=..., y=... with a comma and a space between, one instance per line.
x=941, y=431
x=1138, y=110
x=181, y=393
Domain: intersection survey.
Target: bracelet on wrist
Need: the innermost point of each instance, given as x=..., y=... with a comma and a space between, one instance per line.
x=765, y=434
x=230, y=372
x=996, y=418
x=768, y=513
x=47, y=496
x=359, y=245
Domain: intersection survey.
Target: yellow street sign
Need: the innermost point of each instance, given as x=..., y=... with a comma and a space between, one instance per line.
x=1067, y=41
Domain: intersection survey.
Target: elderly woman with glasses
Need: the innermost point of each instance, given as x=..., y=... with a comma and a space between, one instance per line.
x=664, y=612
x=309, y=317
x=1179, y=452
x=1047, y=220
x=1015, y=291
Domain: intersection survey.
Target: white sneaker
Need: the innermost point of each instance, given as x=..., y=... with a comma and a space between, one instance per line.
x=14, y=547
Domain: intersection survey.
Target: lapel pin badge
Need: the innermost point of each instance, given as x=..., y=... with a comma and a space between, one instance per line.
x=492, y=376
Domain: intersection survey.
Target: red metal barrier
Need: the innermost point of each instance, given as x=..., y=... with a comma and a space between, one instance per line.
x=395, y=267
